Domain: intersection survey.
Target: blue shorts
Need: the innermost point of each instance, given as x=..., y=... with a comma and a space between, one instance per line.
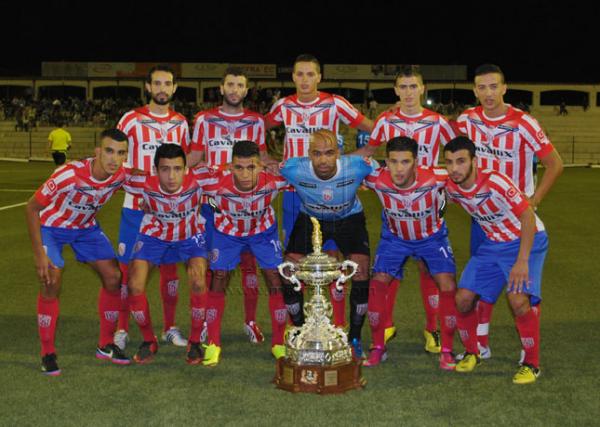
x=291, y=208
x=393, y=252
x=487, y=272
x=129, y=228
x=477, y=237
x=266, y=247
x=158, y=252
x=89, y=244
x=209, y=215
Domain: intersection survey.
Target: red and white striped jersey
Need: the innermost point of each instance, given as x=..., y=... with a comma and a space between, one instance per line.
x=302, y=119
x=244, y=213
x=215, y=132
x=495, y=203
x=145, y=132
x=428, y=128
x=171, y=217
x=412, y=213
x=506, y=144
x=72, y=196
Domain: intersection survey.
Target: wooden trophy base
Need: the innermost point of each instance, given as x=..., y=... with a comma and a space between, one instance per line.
x=318, y=379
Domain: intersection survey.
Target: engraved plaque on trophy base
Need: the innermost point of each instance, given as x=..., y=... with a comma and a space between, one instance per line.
x=318, y=379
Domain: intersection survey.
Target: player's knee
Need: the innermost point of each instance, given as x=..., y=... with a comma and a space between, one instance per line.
x=219, y=280
x=464, y=302
x=519, y=304
x=111, y=280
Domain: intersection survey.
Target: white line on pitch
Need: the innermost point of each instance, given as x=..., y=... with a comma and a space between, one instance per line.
x=3, y=208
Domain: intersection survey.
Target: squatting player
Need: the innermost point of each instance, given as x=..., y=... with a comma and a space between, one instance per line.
x=244, y=221
x=147, y=128
x=63, y=212
x=411, y=197
x=506, y=139
x=215, y=132
x=326, y=184
x=512, y=253
x=430, y=130
x=303, y=113
x=171, y=231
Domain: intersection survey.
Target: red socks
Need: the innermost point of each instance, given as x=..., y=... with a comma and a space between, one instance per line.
x=338, y=301
x=124, y=310
x=47, y=314
x=378, y=292
x=390, y=301
x=138, y=306
x=447, y=319
x=528, y=326
x=169, y=282
x=109, y=304
x=431, y=296
x=198, y=312
x=278, y=317
x=214, y=314
x=249, y=285
x=484, y=315
x=467, y=328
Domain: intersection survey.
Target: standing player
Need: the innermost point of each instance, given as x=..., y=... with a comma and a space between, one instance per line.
x=147, y=128
x=512, y=253
x=244, y=221
x=411, y=197
x=63, y=211
x=327, y=184
x=172, y=231
x=303, y=113
x=215, y=133
x=429, y=129
x=506, y=140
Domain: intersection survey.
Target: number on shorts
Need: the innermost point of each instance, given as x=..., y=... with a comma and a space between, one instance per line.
x=276, y=245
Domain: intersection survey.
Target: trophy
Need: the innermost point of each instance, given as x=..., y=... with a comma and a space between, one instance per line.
x=318, y=357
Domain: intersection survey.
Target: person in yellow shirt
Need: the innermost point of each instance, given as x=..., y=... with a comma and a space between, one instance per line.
x=59, y=142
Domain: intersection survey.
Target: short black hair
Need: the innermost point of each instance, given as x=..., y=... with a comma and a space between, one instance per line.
x=402, y=143
x=245, y=149
x=168, y=151
x=489, y=69
x=160, y=67
x=460, y=143
x=114, y=134
x=307, y=57
x=408, y=71
x=234, y=71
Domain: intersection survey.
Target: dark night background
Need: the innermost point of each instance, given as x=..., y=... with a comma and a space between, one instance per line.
x=532, y=41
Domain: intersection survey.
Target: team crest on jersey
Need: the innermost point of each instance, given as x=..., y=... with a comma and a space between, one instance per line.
x=327, y=194
x=173, y=204
x=51, y=186
x=305, y=115
x=44, y=320
x=512, y=193
x=410, y=129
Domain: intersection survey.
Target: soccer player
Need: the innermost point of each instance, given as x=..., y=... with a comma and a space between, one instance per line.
x=411, y=197
x=63, y=211
x=303, y=113
x=244, y=221
x=147, y=128
x=215, y=132
x=172, y=231
x=430, y=130
x=512, y=253
x=506, y=140
x=327, y=184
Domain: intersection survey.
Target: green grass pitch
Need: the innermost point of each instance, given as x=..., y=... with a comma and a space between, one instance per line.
x=408, y=389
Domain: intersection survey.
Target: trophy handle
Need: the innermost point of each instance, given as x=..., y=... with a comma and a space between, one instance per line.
x=347, y=263
x=292, y=278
